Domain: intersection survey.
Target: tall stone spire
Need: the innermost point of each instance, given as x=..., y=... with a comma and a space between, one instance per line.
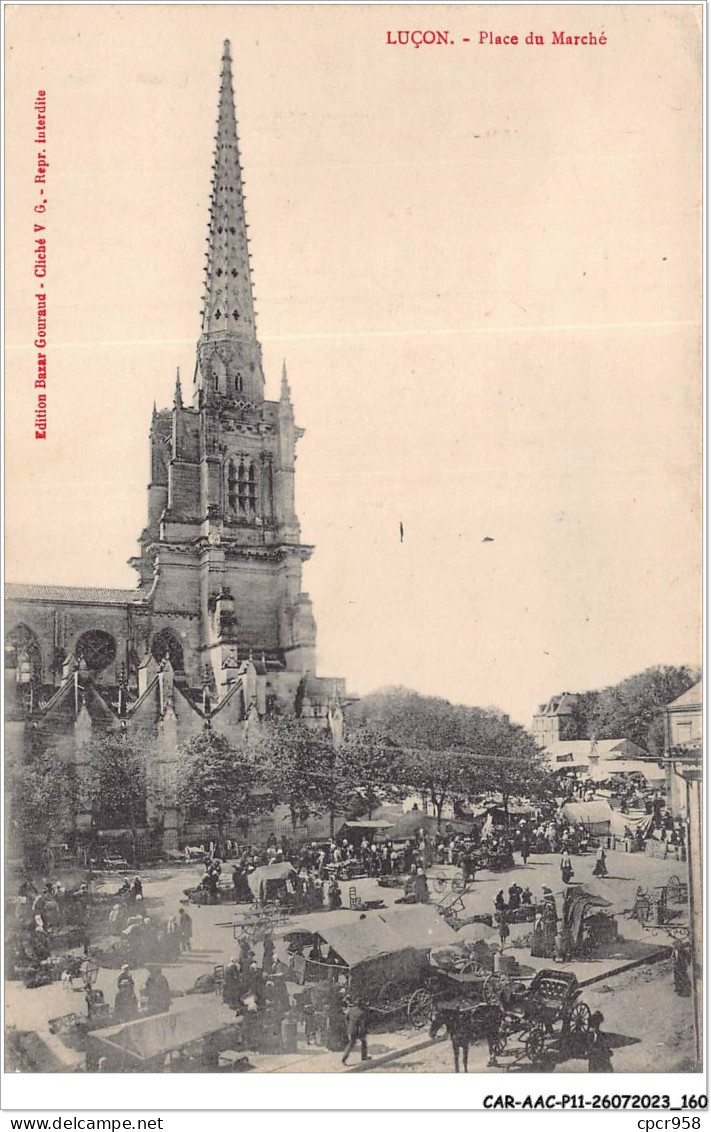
x=178, y=395
x=229, y=356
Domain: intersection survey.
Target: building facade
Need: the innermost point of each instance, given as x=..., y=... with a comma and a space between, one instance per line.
x=555, y=720
x=219, y=631
x=683, y=742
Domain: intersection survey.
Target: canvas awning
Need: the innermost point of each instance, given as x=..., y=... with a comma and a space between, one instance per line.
x=358, y=938
x=362, y=940
x=418, y=925
x=594, y=816
x=368, y=824
x=281, y=870
x=133, y=1044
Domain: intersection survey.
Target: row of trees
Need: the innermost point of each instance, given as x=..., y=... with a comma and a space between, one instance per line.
x=397, y=742
x=633, y=709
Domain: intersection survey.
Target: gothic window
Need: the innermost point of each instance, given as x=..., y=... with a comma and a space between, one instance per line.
x=252, y=487
x=242, y=487
x=97, y=649
x=239, y=383
x=218, y=371
x=22, y=653
x=165, y=643
x=231, y=486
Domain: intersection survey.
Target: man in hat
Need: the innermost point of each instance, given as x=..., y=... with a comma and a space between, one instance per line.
x=599, y=1051
x=357, y=1022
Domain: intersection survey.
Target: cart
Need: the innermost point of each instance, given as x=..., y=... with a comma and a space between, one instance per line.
x=496, y=861
x=441, y=882
x=531, y=1017
x=660, y=905
x=380, y=958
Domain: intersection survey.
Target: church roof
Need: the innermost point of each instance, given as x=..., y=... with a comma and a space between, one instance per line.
x=90, y=595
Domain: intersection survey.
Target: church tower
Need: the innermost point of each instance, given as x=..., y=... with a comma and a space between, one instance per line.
x=218, y=632
x=223, y=539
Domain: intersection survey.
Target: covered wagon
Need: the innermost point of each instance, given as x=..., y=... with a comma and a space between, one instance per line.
x=380, y=957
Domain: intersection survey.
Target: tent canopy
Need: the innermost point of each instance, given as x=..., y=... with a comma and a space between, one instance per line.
x=358, y=938
x=368, y=824
x=143, y=1039
x=418, y=925
x=359, y=941
x=281, y=870
x=595, y=816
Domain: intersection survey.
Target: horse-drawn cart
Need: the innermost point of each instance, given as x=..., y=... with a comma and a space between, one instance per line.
x=531, y=1017
x=380, y=958
x=662, y=904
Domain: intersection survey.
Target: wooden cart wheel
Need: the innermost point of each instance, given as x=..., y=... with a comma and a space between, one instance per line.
x=439, y=882
x=458, y=884
x=494, y=985
x=471, y=967
x=578, y=1021
x=535, y=1044
x=420, y=1008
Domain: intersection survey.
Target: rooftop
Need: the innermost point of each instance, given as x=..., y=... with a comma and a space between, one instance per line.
x=90, y=595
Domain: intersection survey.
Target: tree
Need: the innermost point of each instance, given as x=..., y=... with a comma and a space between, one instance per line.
x=369, y=766
x=117, y=780
x=218, y=782
x=42, y=794
x=299, y=767
x=511, y=763
x=451, y=752
x=632, y=709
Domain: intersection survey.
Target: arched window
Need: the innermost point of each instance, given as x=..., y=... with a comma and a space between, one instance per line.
x=22, y=653
x=165, y=643
x=219, y=373
x=231, y=486
x=239, y=382
x=97, y=649
x=242, y=488
x=252, y=487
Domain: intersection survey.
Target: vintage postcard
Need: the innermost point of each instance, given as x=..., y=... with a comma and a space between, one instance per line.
x=352, y=616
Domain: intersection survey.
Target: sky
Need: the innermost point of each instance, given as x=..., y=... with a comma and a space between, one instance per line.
x=482, y=265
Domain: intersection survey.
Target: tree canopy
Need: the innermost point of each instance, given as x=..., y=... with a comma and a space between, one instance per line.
x=116, y=780
x=632, y=709
x=449, y=752
x=43, y=795
x=218, y=782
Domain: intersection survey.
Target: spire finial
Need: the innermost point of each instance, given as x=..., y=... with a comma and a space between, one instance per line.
x=285, y=390
x=228, y=314
x=178, y=395
x=228, y=303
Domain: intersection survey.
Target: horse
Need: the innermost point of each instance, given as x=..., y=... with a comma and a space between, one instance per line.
x=467, y=1026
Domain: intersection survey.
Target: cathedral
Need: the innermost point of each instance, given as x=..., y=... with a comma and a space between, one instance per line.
x=218, y=632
